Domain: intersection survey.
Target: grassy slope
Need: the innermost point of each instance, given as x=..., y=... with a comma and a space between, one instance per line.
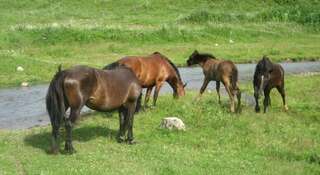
x=41, y=34
x=215, y=141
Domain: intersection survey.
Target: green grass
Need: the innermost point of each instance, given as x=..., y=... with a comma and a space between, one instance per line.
x=215, y=141
x=49, y=33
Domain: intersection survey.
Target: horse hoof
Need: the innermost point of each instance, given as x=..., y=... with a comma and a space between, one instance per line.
x=286, y=108
x=69, y=149
x=131, y=142
x=53, y=151
x=120, y=139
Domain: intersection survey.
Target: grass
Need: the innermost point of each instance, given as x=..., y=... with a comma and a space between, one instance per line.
x=215, y=140
x=42, y=34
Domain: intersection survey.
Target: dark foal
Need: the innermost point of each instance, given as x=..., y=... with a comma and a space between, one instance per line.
x=219, y=71
x=153, y=71
x=102, y=90
x=266, y=77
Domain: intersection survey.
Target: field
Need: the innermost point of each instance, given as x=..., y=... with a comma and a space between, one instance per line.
x=41, y=34
x=215, y=140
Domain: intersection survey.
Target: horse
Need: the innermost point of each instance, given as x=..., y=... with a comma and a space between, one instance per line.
x=267, y=76
x=101, y=90
x=219, y=71
x=153, y=70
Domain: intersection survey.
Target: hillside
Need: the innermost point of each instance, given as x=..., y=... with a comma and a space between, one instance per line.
x=43, y=34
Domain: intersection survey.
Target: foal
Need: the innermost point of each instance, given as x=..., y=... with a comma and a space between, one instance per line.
x=266, y=77
x=218, y=70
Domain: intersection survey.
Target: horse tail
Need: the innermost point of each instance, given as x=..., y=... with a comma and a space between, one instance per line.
x=55, y=99
x=112, y=66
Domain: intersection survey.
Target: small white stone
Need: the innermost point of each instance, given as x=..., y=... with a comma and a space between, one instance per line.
x=216, y=44
x=24, y=84
x=231, y=41
x=20, y=68
x=172, y=123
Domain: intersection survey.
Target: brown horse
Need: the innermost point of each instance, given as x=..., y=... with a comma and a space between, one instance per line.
x=266, y=77
x=153, y=70
x=218, y=70
x=101, y=90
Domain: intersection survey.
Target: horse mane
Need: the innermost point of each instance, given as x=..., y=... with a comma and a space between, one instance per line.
x=206, y=55
x=171, y=63
x=111, y=66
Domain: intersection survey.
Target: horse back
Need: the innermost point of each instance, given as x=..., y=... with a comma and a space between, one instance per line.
x=277, y=74
x=114, y=88
x=79, y=83
x=148, y=69
x=217, y=69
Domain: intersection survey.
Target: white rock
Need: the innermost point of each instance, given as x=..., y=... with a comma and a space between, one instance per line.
x=172, y=123
x=20, y=68
x=231, y=41
x=216, y=44
x=24, y=84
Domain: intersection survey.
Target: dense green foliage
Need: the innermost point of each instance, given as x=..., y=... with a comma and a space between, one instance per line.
x=215, y=140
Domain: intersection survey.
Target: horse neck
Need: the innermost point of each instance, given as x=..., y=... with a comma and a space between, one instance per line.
x=175, y=82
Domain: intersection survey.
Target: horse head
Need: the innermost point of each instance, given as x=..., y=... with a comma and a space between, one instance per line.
x=193, y=58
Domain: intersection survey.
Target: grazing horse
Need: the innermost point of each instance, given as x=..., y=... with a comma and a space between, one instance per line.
x=218, y=70
x=153, y=70
x=266, y=77
x=101, y=90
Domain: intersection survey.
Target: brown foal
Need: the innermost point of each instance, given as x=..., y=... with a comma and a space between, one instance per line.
x=219, y=71
x=267, y=76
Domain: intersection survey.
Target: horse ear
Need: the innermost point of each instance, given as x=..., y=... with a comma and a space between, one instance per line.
x=265, y=58
x=60, y=68
x=195, y=52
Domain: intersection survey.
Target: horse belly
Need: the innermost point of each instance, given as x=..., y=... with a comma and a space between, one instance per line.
x=103, y=104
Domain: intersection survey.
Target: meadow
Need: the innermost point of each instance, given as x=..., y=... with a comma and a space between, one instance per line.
x=215, y=141
x=41, y=34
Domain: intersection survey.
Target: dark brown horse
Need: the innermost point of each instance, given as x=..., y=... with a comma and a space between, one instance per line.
x=266, y=77
x=153, y=70
x=219, y=71
x=102, y=90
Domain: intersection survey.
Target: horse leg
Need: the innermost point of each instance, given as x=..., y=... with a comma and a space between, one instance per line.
x=156, y=93
x=204, y=86
x=55, y=138
x=266, y=101
x=130, y=117
x=283, y=95
x=218, y=90
x=147, y=97
x=122, y=130
x=256, y=97
x=231, y=95
x=69, y=121
x=238, y=93
x=138, y=106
